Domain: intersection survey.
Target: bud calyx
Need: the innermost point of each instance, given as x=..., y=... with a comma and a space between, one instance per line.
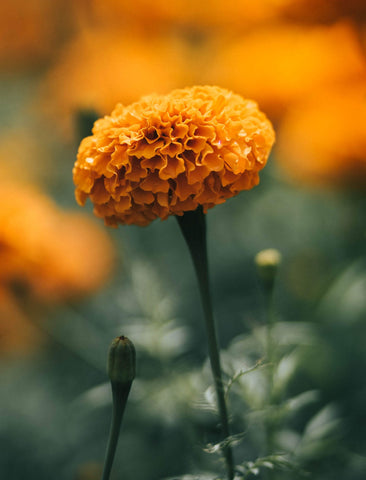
x=121, y=361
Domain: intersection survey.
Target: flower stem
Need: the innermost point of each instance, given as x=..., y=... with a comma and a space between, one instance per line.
x=267, y=262
x=269, y=333
x=120, y=394
x=193, y=227
x=270, y=359
x=270, y=426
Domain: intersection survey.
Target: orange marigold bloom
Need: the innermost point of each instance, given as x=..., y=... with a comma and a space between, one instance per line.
x=22, y=146
x=18, y=334
x=180, y=13
x=103, y=67
x=287, y=62
x=239, y=15
x=31, y=31
x=322, y=10
x=165, y=155
x=53, y=254
x=323, y=140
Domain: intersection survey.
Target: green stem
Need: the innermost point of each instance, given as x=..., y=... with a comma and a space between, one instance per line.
x=269, y=330
x=193, y=227
x=271, y=368
x=120, y=394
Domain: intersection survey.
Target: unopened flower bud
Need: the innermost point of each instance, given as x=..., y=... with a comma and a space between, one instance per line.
x=267, y=262
x=121, y=371
x=121, y=361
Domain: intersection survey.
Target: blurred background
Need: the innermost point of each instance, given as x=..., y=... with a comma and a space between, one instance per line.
x=69, y=285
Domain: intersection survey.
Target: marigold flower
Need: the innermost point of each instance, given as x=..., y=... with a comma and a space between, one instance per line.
x=217, y=15
x=323, y=140
x=287, y=62
x=181, y=13
x=17, y=333
x=89, y=471
x=165, y=155
x=26, y=39
x=22, y=146
x=322, y=10
x=103, y=67
x=55, y=255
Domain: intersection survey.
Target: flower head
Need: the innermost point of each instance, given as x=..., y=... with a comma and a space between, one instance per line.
x=333, y=154
x=322, y=10
x=165, y=155
x=27, y=41
x=288, y=62
x=18, y=334
x=53, y=254
x=113, y=69
x=179, y=13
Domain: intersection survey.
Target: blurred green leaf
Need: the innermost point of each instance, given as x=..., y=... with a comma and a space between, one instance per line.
x=270, y=462
x=320, y=433
x=345, y=300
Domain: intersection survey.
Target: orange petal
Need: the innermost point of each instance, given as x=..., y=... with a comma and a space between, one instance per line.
x=174, y=166
x=155, y=184
x=123, y=204
x=183, y=189
x=99, y=194
x=134, y=171
x=213, y=161
x=142, y=197
x=198, y=174
x=154, y=163
x=234, y=162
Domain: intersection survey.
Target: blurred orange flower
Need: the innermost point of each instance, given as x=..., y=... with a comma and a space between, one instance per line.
x=89, y=471
x=322, y=10
x=100, y=68
x=232, y=15
x=17, y=333
x=177, y=13
x=30, y=30
x=19, y=147
x=240, y=15
x=53, y=254
x=165, y=155
x=282, y=64
x=323, y=139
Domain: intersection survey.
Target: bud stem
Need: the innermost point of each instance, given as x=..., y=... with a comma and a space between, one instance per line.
x=120, y=393
x=271, y=368
x=267, y=262
x=193, y=227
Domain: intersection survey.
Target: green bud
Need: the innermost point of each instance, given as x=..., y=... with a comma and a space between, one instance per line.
x=267, y=262
x=121, y=361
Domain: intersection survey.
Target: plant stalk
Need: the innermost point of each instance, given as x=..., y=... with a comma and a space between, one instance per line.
x=193, y=227
x=120, y=394
x=270, y=427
